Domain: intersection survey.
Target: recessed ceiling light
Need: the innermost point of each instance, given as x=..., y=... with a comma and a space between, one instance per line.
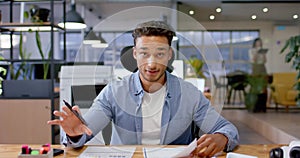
x=191, y=12
x=218, y=10
x=253, y=17
x=212, y=17
x=295, y=16
x=265, y=9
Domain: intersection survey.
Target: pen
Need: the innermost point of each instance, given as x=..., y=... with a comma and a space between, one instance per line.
x=75, y=113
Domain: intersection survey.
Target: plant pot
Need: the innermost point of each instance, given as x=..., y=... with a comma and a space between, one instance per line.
x=256, y=102
x=261, y=102
x=250, y=101
x=39, y=15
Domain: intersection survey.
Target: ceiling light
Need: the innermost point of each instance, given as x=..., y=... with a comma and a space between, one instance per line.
x=218, y=10
x=253, y=17
x=191, y=12
x=211, y=17
x=100, y=45
x=265, y=9
x=295, y=16
x=91, y=38
x=73, y=19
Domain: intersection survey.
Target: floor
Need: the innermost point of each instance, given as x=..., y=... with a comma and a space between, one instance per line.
x=248, y=135
x=278, y=123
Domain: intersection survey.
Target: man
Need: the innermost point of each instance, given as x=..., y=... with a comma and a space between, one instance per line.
x=151, y=106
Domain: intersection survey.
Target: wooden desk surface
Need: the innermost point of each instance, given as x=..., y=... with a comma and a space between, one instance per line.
x=259, y=150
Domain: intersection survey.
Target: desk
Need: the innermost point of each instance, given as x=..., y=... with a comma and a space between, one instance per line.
x=12, y=150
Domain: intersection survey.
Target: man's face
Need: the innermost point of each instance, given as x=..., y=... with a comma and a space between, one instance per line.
x=152, y=54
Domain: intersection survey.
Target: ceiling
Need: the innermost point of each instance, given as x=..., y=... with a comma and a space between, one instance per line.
x=232, y=10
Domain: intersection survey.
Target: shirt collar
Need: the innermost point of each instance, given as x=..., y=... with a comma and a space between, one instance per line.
x=138, y=88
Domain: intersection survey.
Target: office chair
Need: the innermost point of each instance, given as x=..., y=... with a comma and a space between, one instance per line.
x=237, y=84
x=219, y=86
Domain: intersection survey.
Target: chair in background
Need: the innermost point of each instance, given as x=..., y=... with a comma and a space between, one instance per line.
x=283, y=92
x=237, y=85
x=219, y=87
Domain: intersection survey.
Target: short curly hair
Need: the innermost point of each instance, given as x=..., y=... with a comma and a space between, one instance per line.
x=154, y=28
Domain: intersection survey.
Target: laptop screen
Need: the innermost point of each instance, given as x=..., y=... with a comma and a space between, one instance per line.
x=84, y=95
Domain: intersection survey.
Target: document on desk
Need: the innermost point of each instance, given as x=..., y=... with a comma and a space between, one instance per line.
x=169, y=152
x=107, y=152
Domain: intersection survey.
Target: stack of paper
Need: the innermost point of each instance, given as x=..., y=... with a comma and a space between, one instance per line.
x=107, y=152
x=170, y=152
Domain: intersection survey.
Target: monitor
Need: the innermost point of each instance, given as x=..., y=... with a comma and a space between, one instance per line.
x=84, y=95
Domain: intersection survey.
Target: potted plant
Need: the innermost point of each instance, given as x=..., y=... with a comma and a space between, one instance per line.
x=197, y=66
x=293, y=55
x=21, y=73
x=255, y=96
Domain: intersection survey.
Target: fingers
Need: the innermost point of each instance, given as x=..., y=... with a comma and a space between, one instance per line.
x=201, y=139
x=76, y=108
x=207, y=146
x=203, y=142
x=67, y=110
x=86, y=130
x=60, y=114
x=54, y=122
x=214, y=152
x=208, y=150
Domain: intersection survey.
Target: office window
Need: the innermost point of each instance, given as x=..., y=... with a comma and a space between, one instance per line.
x=229, y=47
x=215, y=46
x=117, y=41
x=77, y=51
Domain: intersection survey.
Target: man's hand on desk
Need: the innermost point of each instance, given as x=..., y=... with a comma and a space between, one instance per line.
x=69, y=122
x=210, y=144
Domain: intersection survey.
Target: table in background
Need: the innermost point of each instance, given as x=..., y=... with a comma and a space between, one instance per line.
x=259, y=150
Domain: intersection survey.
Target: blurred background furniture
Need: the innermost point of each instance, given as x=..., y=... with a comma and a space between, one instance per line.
x=219, y=86
x=283, y=92
x=236, y=83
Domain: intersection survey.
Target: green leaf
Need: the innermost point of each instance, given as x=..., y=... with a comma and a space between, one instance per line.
x=292, y=44
x=287, y=43
x=298, y=39
x=296, y=62
x=26, y=15
x=38, y=43
x=289, y=56
x=21, y=45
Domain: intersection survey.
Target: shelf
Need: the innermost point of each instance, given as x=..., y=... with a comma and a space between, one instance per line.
x=31, y=60
x=32, y=1
x=46, y=26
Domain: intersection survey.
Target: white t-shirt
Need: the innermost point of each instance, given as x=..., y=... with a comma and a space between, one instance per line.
x=152, y=106
x=255, y=57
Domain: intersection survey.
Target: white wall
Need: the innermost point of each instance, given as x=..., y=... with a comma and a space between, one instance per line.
x=280, y=35
x=127, y=20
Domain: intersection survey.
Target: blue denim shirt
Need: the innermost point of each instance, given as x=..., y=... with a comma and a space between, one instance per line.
x=120, y=102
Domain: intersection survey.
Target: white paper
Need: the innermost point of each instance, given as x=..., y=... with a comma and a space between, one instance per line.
x=169, y=152
x=236, y=155
x=107, y=152
x=187, y=151
x=161, y=152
